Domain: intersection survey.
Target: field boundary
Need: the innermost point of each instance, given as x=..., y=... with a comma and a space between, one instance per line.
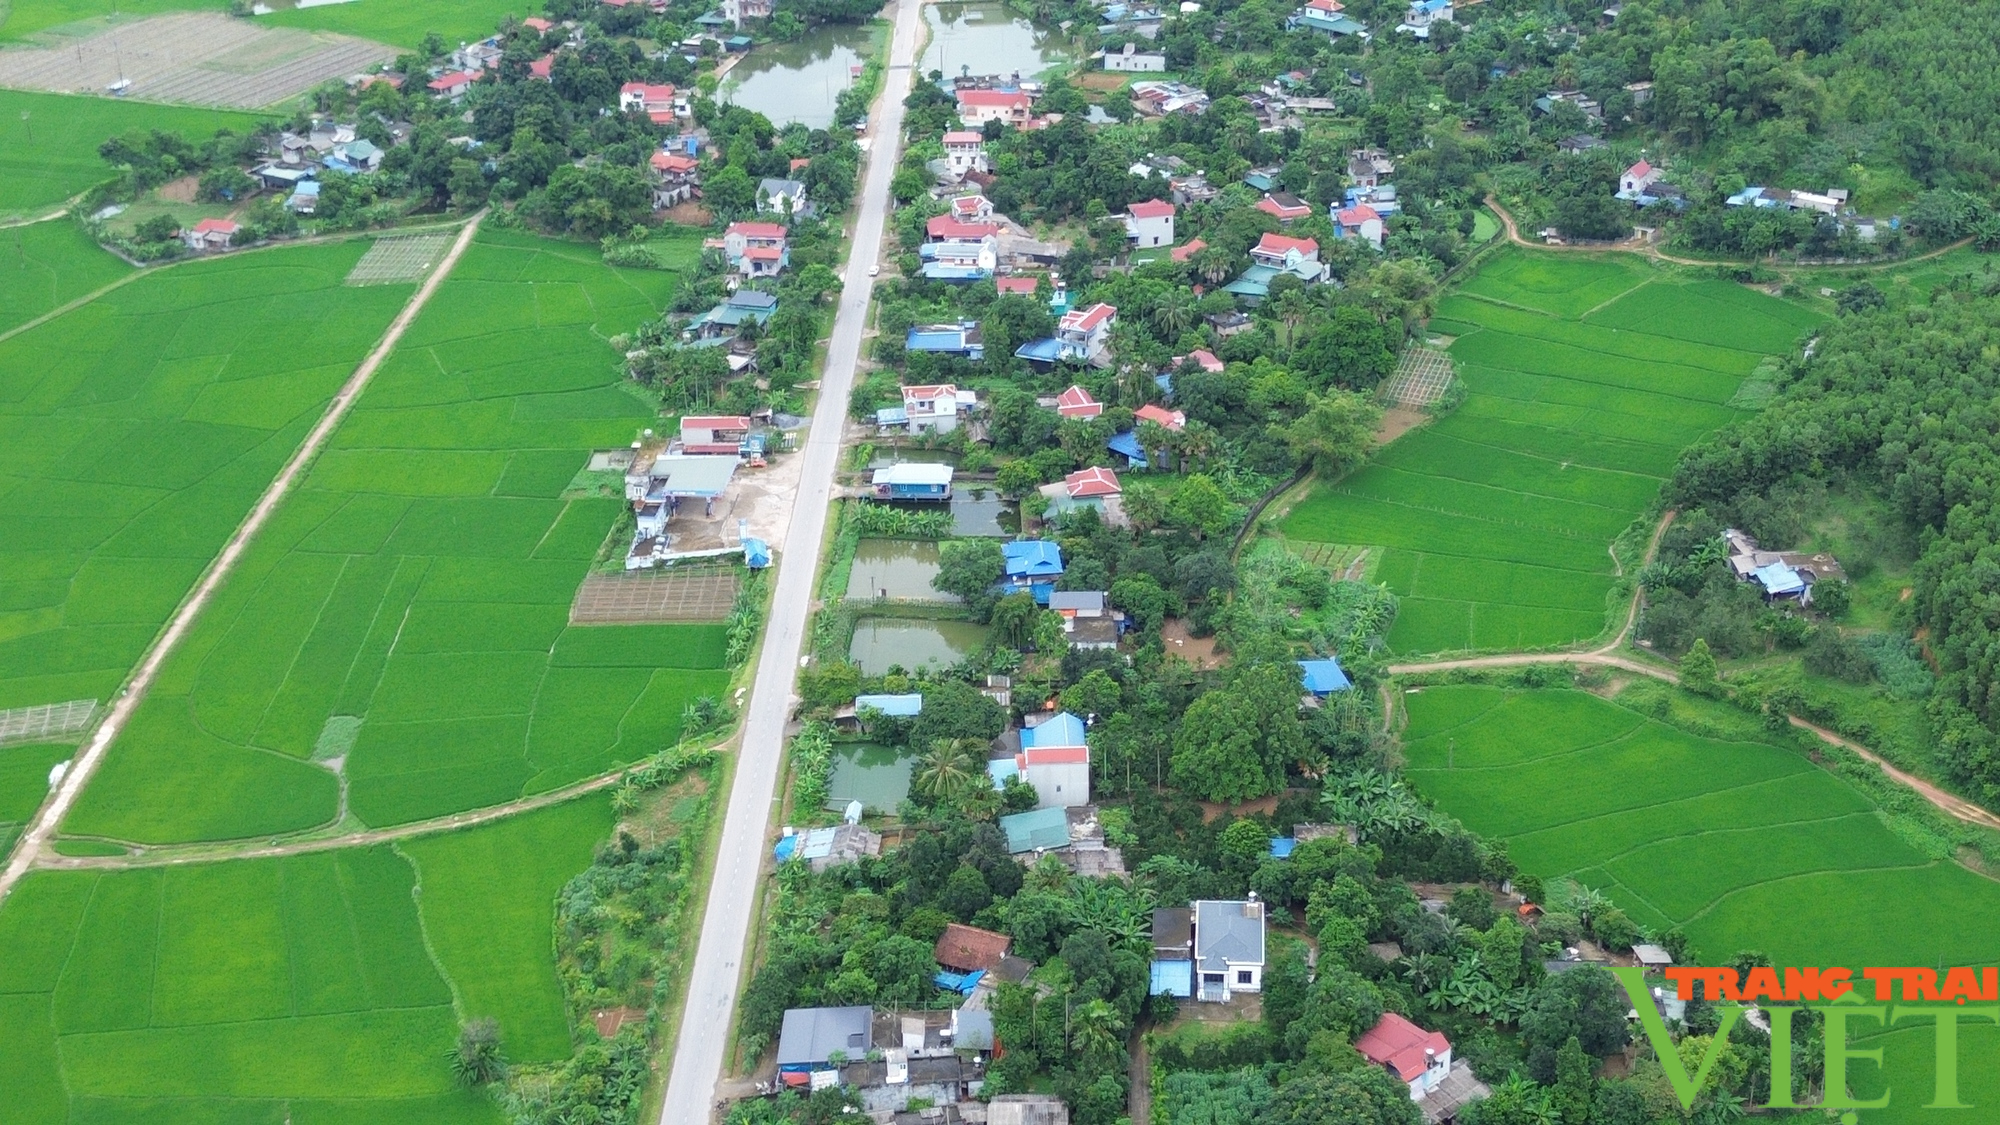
x=85, y=765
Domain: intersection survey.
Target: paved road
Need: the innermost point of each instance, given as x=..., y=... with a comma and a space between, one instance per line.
x=86, y=763
x=718, y=963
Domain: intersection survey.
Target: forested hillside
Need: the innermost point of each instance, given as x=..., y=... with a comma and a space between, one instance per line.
x=1903, y=402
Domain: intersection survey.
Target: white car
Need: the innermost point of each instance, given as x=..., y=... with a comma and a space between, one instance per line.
x=874, y=271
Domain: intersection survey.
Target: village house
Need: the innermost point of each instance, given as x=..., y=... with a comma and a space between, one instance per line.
x=964, y=151
x=1083, y=333
x=1359, y=221
x=1780, y=574
x=960, y=259
x=913, y=481
x=1130, y=59
x=1150, y=223
x=656, y=102
x=813, y=1038
x=941, y=228
x=1053, y=757
x=782, y=197
x=823, y=848
x=538, y=25
x=1636, y=179
x=1284, y=206
x=1032, y=565
x=1174, y=421
x=543, y=69
x=210, y=234
x=974, y=208
x=1325, y=17
x=1422, y=15
x=1369, y=167
x=1422, y=1059
x=714, y=434
x=1298, y=256
x=676, y=179
x=1075, y=402
x=1158, y=99
x=452, y=86
x=976, y=107
x=1097, y=488
x=720, y=323
x=756, y=249
x=304, y=199
x=935, y=408
x=960, y=339
x=1192, y=188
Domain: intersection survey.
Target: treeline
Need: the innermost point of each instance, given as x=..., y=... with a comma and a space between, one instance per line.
x=1905, y=403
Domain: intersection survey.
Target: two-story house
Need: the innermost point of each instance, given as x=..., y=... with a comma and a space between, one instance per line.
x=1228, y=948
x=933, y=407
x=655, y=101
x=964, y=151
x=1150, y=223
x=977, y=107
x=1083, y=333
x=756, y=249
x=781, y=197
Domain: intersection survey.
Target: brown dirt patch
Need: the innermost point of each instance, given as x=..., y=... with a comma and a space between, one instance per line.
x=1103, y=80
x=610, y=1020
x=1397, y=421
x=689, y=214
x=1198, y=651
x=640, y=598
x=179, y=191
x=1211, y=811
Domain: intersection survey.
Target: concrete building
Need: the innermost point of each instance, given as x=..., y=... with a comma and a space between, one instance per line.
x=1150, y=223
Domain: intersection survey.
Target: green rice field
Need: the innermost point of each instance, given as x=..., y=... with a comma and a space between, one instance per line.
x=48, y=142
x=1585, y=377
x=135, y=433
x=402, y=23
x=395, y=645
x=44, y=266
x=1744, y=845
x=319, y=988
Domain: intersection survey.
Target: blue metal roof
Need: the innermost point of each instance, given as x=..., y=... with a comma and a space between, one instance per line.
x=1045, y=350
x=1032, y=558
x=1127, y=444
x=892, y=416
x=1002, y=771
x=1172, y=978
x=1061, y=729
x=961, y=983
x=1778, y=578
x=1325, y=676
x=1281, y=847
x=756, y=554
x=1043, y=828
x=907, y=706
x=785, y=848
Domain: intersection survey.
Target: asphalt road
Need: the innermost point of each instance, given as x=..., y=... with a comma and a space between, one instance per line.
x=718, y=963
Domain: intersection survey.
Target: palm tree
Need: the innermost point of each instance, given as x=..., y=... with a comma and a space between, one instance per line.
x=949, y=769
x=1094, y=1028
x=1291, y=306
x=1175, y=313
x=1213, y=263
x=477, y=1059
x=1198, y=442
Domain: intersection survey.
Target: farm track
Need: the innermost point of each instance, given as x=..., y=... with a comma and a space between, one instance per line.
x=1648, y=250
x=49, y=818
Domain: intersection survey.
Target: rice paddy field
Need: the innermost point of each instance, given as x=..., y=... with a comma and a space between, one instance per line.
x=1744, y=845
x=395, y=645
x=401, y=23
x=44, y=266
x=48, y=142
x=319, y=989
x=1585, y=377
x=135, y=433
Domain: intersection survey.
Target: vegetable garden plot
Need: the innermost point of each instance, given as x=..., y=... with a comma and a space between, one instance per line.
x=399, y=259
x=1421, y=377
x=420, y=580
x=603, y=599
x=136, y=431
x=1743, y=845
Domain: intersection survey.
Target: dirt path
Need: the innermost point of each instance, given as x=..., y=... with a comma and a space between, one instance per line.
x=1139, y=1097
x=50, y=217
x=1647, y=249
x=1955, y=805
x=85, y=765
x=172, y=855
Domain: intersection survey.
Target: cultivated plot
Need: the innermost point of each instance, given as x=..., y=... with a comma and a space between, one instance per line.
x=48, y=143
x=401, y=22
x=1585, y=377
x=408, y=258
x=1743, y=845
x=420, y=581
x=135, y=433
x=44, y=266
x=315, y=988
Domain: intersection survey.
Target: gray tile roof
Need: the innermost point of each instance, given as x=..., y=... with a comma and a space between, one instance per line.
x=1228, y=932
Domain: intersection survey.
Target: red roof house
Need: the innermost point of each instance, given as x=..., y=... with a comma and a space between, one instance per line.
x=1077, y=403
x=1025, y=286
x=1092, y=482
x=1172, y=419
x=674, y=164
x=1151, y=209
x=537, y=24
x=543, y=67
x=452, y=85
x=979, y=106
x=945, y=226
x=1183, y=253
x=966, y=948
x=1276, y=246
x=714, y=434
x=1284, y=207
x=1406, y=1051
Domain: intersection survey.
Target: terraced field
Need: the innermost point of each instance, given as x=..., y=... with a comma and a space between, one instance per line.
x=395, y=646
x=1585, y=377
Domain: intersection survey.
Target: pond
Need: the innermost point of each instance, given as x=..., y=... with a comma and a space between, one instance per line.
x=882, y=643
x=886, y=455
x=988, y=38
x=877, y=776
x=798, y=81
x=895, y=568
x=981, y=511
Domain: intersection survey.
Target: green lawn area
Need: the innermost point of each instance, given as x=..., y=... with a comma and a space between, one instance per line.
x=135, y=433
x=48, y=142
x=44, y=266
x=313, y=988
x=1743, y=844
x=1585, y=377
x=417, y=584
x=401, y=23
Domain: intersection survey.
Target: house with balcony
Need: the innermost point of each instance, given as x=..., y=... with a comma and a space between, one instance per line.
x=1359, y=221
x=964, y=151
x=1082, y=334
x=1421, y=1059
x=723, y=434
x=783, y=198
x=935, y=408
x=676, y=179
x=978, y=106
x=655, y=101
x=1149, y=223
